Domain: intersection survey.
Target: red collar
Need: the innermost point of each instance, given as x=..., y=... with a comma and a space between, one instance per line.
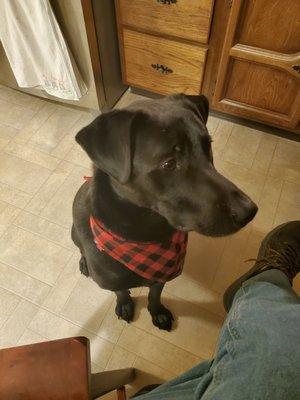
x=152, y=261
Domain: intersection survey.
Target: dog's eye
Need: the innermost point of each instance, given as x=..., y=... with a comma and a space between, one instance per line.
x=169, y=164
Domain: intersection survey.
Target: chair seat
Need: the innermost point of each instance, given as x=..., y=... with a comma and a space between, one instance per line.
x=54, y=370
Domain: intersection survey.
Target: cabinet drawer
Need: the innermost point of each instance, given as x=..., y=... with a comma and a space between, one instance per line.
x=188, y=19
x=162, y=65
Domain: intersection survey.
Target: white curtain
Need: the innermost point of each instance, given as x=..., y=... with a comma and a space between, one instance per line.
x=36, y=49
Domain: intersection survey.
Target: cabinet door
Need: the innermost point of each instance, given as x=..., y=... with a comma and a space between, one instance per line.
x=259, y=71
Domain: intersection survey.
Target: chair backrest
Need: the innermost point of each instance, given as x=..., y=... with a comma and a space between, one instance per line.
x=49, y=370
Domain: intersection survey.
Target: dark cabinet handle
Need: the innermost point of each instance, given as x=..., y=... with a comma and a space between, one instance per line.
x=166, y=1
x=162, y=69
x=296, y=68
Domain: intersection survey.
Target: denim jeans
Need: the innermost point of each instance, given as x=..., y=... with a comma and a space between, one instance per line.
x=258, y=353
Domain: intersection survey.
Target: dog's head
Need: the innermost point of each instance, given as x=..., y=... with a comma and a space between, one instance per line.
x=158, y=155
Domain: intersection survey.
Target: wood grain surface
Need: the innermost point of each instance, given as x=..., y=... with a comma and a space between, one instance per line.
x=186, y=61
x=188, y=19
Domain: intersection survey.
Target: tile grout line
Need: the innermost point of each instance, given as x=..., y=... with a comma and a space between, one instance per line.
x=112, y=353
x=46, y=219
x=12, y=221
x=39, y=306
x=49, y=153
x=32, y=331
x=143, y=357
x=265, y=182
x=34, y=131
x=8, y=126
x=263, y=187
x=40, y=235
x=39, y=187
x=216, y=271
x=25, y=110
x=101, y=319
x=22, y=94
x=23, y=209
x=157, y=337
x=61, y=273
x=14, y=188
x=229, y=136
x=241, y=252
x=30, y=276
x=214, y=131
x=57, y=189
x=272, y=158
x=9, y=316
x=71, y=127
x=31, y=161
x=278, y=202
x=258, y=146
x=285, y=179
x=75, y=284
x=204, y=309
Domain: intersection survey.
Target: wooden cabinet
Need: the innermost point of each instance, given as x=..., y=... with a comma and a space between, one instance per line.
x=259, y=67
x=163, y=43
x=186, y=19
x=245, y=59
x=162, y=65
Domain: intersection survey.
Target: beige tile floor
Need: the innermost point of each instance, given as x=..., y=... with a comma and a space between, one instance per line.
x=42, y=294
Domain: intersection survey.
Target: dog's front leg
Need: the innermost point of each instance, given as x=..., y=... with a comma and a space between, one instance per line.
x=125, y=305
x=161, y=316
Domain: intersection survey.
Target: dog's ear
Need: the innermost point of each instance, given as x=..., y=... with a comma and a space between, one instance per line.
x=202, y=105
x=107, y=141
x=199, y=102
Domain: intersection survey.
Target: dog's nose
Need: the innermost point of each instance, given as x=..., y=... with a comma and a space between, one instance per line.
x=244, y=212
x=248, y=214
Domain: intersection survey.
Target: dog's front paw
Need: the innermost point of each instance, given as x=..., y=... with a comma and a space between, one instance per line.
x=162, y=318
x=125, y=310
x=83, y=267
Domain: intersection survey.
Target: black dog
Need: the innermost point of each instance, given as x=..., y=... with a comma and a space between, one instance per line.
x=153, y=175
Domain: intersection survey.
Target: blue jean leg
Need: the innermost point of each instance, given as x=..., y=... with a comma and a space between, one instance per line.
x=258, y=354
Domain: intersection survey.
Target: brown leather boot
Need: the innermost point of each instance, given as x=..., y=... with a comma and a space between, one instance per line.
x=280, y=249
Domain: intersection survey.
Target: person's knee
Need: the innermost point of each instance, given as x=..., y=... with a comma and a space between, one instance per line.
x=265, y=322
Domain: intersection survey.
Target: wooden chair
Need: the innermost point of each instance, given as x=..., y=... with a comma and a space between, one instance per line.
x=57, y=370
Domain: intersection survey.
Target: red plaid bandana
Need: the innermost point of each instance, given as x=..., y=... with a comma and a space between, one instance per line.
x=152, y=261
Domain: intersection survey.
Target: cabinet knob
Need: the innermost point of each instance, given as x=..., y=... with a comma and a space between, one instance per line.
x=169, y=2
x=162, y=69
x=296, y=68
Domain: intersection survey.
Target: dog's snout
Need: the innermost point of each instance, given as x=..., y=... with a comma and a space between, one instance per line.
x=246, y=215
x=244, y=210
